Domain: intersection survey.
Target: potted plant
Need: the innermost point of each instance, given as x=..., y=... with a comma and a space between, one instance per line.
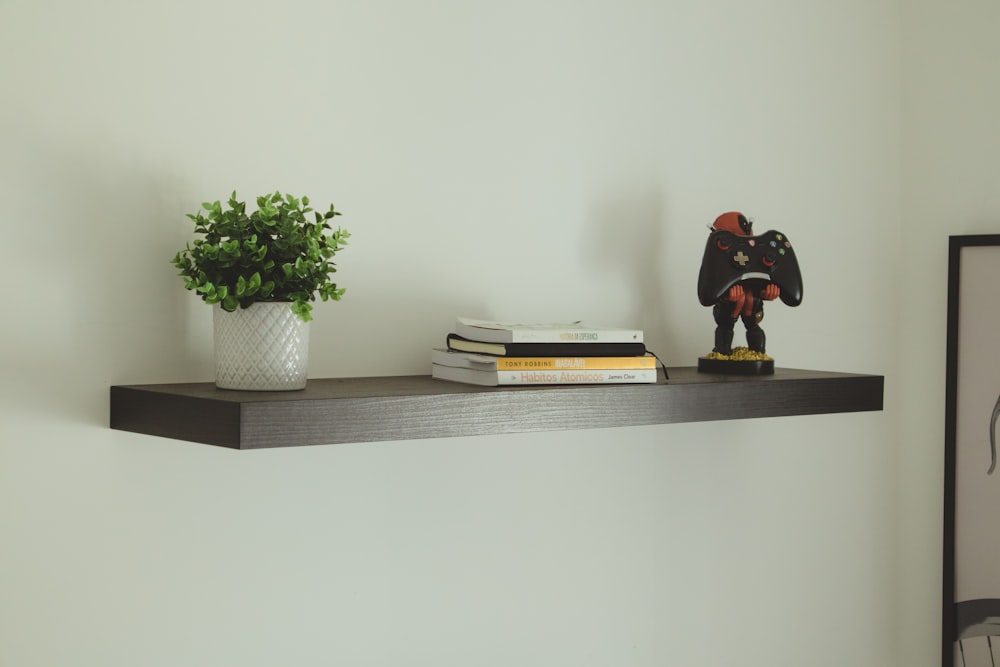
x=262, y=271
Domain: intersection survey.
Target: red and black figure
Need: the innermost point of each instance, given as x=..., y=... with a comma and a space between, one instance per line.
x=739, y=272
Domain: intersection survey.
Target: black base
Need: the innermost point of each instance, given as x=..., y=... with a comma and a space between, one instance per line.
x=731, y=367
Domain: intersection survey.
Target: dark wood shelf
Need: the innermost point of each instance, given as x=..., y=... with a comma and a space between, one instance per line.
x=330, y=411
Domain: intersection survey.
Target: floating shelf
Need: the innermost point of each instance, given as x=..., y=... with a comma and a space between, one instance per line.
x=411, y=407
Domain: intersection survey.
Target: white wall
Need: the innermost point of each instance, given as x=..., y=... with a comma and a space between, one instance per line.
x=951, y=177
x=521, y=160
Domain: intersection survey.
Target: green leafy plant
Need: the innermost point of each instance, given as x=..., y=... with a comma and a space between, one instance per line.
x=279, y=252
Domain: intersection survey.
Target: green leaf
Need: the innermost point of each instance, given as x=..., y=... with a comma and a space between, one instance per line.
x=331, y=292
x=241, y=286
x=211, y=295
x=254, y=285
x=302, y=310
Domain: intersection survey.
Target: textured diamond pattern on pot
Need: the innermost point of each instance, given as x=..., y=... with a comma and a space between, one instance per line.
x=261, y=348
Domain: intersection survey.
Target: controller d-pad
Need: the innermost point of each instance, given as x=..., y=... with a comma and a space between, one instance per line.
x=740, y=259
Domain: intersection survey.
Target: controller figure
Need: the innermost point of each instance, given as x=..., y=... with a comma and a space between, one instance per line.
x=739, y=272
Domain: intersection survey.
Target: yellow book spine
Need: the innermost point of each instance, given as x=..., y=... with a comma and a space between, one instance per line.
x=573, y=363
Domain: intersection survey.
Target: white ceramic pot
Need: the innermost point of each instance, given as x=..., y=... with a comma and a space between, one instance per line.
x=261, y=348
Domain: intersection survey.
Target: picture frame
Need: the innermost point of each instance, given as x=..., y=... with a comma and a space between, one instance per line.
x=971, y=581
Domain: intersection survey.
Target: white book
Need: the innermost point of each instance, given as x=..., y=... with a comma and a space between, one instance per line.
x=496, y=378
x=551, y=332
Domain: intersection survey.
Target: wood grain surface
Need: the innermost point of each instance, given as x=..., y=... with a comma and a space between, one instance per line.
x=339, y=410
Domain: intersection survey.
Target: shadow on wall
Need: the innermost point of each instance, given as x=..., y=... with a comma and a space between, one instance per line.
x=106, y=306
x=624, y=242
x=373, y=331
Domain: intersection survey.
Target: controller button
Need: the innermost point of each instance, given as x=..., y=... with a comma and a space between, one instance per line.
x=781, y=251
x=773, y=244
x=741, y=259
x=778, y=236
x=787, y=244
x=722, y=245
x=751, y=243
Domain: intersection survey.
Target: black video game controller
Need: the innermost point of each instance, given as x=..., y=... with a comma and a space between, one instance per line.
x=756, y=260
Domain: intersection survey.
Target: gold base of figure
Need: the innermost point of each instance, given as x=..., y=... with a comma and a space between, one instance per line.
x=742, y=361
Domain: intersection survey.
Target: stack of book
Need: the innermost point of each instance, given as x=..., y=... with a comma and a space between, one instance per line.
x=497, y=353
